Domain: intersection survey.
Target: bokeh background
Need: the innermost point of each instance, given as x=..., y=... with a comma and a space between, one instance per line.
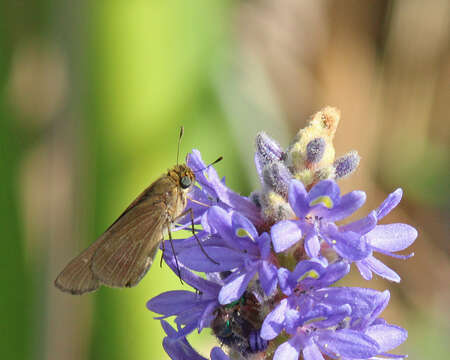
x=92, y=94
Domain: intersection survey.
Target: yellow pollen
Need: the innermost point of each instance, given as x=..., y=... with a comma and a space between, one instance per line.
x=324, y=200
x=333, y=242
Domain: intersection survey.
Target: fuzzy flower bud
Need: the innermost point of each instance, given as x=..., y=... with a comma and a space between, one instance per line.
x=267, y=149
x=346, y=164
x=315, y=150
x=277, y=176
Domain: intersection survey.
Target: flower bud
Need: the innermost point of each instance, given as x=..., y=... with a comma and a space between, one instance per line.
x=315, y=150
x=346, y=164
x=267, y=149
x=277, y=176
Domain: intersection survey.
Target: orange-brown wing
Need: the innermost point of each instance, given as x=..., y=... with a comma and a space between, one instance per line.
x=77, y=277
x=130, y=244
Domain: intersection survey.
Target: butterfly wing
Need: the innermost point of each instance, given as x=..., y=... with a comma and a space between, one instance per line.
x=130, y=245
x=77, y=277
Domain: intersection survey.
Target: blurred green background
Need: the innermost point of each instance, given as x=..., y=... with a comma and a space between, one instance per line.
x=92, y=95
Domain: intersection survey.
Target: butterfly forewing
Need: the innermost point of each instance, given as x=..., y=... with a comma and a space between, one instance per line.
x=127, y=252
x=77, y=277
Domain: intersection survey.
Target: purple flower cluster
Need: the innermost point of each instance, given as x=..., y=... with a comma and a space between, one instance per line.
x=271, y=291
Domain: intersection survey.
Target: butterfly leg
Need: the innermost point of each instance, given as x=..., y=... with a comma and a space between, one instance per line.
x=173, y=251
x=162, y=252
x=191, y=213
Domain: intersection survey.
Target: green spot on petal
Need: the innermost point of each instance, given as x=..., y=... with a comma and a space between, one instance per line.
x=324, y=200
x=310, y=274
x=243, y=233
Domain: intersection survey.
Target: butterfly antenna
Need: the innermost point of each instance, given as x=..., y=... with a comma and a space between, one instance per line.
x=214, y=162
x=179, y=141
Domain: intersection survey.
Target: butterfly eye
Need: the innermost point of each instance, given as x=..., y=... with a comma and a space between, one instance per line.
x=185, y=182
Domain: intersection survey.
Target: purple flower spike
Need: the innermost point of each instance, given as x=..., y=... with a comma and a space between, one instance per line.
x=269, y=264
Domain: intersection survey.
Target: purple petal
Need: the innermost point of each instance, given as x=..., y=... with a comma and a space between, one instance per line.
x=361, y=226
x=391, y=202
x=312, y=352
x=304, y=270
x=240, y=222
x=169, y=330
x=206, y=286
x=348, y=204
x=380, y=269
x=331, y=317
x=172, y=302
x=218, y=354
x=349, y=245
x=179, y=348
x=186, y=330
x=347, y=343
x=387, y=336
x=227, y=258
x=191, y=316
x=283, y=276
x=287, y=351
x=220, y=220
x=364, y=270
x=292, y=320
x=206, y=317
x=285, y=234
x=298, y=198
x=273, y=323
x=234, y=289
x=392, y=237
x=268, y=277
x=361, y=300
x=312, y=245
x=333, y=273
x=264, y=245
x=380, y=304
x=324, y=188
